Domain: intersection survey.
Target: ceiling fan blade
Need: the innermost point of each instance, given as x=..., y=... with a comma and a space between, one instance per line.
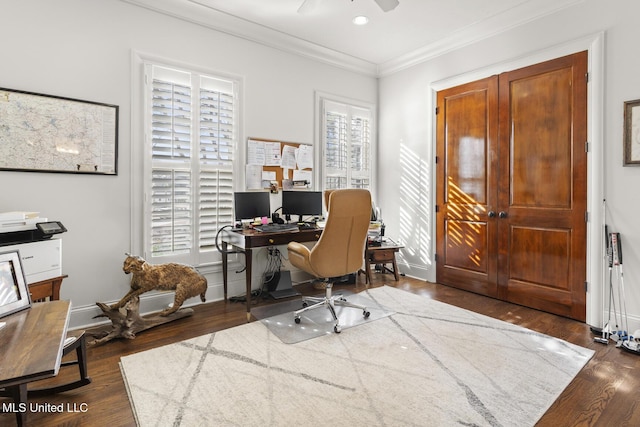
x=308, y=6
x=387, y=5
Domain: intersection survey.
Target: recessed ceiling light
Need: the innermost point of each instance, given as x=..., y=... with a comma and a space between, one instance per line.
x=360, y=20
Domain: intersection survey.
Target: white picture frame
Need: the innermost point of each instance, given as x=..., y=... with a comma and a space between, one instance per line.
x=14, y=292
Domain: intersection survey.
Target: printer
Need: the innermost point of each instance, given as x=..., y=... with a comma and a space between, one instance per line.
x=32, y=236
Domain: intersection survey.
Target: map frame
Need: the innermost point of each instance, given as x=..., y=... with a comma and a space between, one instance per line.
x=632, y=133
x=33, y=126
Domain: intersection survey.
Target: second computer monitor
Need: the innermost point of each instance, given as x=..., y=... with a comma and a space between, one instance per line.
x=302, y=203
x=251, y=204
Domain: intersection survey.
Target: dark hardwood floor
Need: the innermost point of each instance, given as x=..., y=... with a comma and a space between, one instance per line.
x=605, y=393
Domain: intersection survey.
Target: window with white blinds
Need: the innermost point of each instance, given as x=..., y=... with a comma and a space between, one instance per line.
x=192, y=123
x=347, y=145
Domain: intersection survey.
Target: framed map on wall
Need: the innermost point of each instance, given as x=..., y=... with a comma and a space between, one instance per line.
x=632, y=133
x=45, y=133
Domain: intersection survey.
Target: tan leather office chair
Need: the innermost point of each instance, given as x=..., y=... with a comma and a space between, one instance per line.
x=327, y=194
x=338, y=252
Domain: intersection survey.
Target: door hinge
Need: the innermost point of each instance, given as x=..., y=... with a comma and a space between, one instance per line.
x=586, y=216
x=437, y=159
x=586, y=146
x=586, y=77
x=435, y=257
x=586, y=286
x=437, y=110
x=437, y=208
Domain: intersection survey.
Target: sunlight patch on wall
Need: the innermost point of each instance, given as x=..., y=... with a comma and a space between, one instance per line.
x=415, y=216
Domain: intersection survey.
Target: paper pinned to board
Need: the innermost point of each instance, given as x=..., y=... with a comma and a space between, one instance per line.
x=254, y=177
x=300, y=175
x=288, y=157
x=304, y=157
x=268, y=175
x=273, y=154
x=255, y=153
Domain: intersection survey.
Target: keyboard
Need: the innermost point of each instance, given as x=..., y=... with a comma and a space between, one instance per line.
x=306, y=226
x=274, y=228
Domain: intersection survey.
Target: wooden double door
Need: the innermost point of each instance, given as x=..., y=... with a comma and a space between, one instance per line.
x=511, y=198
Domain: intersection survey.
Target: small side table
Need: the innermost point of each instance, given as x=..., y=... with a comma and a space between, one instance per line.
x=382, y=255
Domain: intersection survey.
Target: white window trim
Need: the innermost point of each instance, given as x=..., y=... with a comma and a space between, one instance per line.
x=139, y=141
x=320, y=99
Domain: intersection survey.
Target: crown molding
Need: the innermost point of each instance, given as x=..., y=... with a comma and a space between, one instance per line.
x=200, y=13
x=197, y=12
x=516, y=16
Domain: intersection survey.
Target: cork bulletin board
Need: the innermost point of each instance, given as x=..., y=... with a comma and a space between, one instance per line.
x=278, y=163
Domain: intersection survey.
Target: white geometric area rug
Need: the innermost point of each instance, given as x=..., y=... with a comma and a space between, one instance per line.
x=428, y=364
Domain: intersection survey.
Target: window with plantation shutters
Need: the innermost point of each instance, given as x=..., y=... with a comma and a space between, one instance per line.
x=347, y=141
x=192, y=124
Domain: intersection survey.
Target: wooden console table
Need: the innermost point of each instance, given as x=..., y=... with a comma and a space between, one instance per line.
x=32, y=344
x=246, y=240
x=44, y=289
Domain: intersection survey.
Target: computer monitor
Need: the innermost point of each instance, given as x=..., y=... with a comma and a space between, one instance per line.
x=251, y=204
x=302, y=203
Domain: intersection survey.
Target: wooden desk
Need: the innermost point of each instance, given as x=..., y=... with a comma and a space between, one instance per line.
x=32, y=343
x=383, y=255
x=244, y=241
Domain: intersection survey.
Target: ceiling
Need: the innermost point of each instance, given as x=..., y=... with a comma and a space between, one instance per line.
x=412, y=32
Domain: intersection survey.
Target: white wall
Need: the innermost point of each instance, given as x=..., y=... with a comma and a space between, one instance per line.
x=83, y=49
x=406, y=128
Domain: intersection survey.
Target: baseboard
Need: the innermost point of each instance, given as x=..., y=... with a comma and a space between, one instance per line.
x=84, y=317
x=634, y=322
x=416, y=271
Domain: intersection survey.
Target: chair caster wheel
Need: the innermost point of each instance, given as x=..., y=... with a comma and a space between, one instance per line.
x=366, y=314
x=304, y=304
x=297, y=320
x=337, y=329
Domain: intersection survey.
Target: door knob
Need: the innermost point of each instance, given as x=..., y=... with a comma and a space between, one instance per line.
x=502, y=214
x=491, y=214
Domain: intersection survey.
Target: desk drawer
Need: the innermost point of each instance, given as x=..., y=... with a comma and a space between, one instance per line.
x=381, y=255
x=273, y=239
